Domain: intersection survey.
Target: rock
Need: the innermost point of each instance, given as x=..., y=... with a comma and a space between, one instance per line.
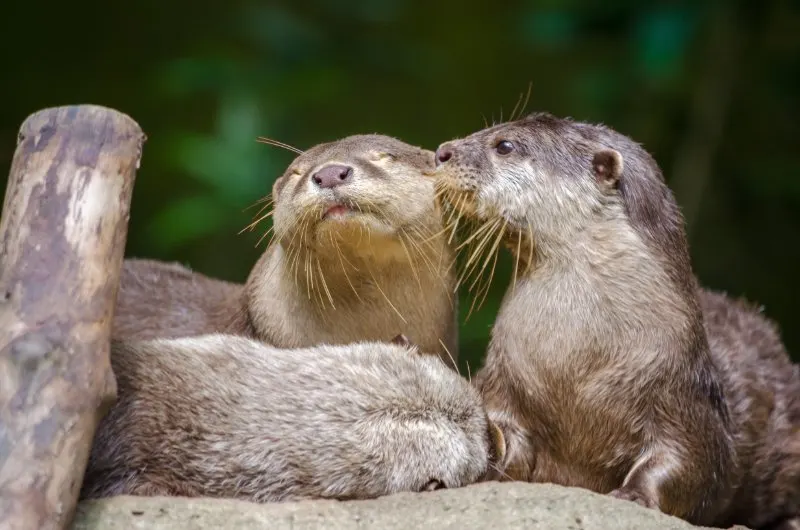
x=481, y=506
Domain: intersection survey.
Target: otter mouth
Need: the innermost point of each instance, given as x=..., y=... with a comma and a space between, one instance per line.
x=344, y=210
x=336, y=211
x=452, y=197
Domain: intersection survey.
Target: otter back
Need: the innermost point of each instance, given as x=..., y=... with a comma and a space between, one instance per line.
x=226, y=416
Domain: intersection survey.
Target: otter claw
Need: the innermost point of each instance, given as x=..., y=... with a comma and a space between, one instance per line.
x=401, y=340
x=634, y=496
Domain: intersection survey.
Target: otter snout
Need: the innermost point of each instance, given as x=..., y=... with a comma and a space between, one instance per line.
x=444, y=153
x=332, y=176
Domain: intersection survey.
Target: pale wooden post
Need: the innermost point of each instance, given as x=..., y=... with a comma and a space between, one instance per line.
x=62, y=240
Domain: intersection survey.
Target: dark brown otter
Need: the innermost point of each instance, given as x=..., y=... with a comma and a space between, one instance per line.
x=608, y=366
x=358, y=254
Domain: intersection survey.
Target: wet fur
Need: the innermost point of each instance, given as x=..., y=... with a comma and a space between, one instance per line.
x=608, y=364
x=385, y=272
x=226, y=416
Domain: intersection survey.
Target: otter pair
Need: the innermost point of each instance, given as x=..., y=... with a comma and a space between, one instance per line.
x=608, y=367
x=286, y=387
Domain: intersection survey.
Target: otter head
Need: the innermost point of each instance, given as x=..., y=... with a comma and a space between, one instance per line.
x=546, y=179
x=355, y=194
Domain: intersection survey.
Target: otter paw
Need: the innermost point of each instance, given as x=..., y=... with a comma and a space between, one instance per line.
x=634, y=496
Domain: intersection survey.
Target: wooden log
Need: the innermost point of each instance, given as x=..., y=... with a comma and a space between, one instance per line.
x=62, y=240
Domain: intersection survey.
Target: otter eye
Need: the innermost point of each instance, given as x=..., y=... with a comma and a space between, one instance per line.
x=433, y=484
x=503, y=147
x=383, y=156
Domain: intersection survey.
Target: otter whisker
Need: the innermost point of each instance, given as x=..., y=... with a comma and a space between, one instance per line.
x=440, y=271
x=440, y=249
x=344, y=256
x=261, y=210
x=377, y=285
x=424, y=235
x=475, y=234
x=514, y=110
x=516, y=260
x=299, y=229
x=276, y=143
x=493, y=251
x=455, y=226
x=271, y=239
x=258, y=218
x=448, y=200
x=450, y=355
x=304, y=220
x=268, y=232
x=530, y=246
x=436, y=235
x=425, y=258
x=410, y=259
x=268, y=199
x=500, y=471
x=325, y=284
x=496, y=252
x=308, y=274
x=344, y=270
x=479, y=278
x=478, y=250
x=527, y=96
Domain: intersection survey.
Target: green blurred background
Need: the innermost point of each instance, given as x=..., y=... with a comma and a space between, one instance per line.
x=711, y=89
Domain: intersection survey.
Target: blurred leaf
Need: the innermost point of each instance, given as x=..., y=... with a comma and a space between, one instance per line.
x=548, y=28
x=284, y=34
x=187, y=219
x=661, y=37
x=197, y=74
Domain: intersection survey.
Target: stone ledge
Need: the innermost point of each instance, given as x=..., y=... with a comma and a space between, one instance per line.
x=481, y=506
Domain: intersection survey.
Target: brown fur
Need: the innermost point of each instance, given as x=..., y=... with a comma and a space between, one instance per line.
x=379, y=270
x=608, y=366
x=227, y=416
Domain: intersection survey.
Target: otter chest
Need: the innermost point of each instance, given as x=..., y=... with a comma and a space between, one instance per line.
x=571, y=372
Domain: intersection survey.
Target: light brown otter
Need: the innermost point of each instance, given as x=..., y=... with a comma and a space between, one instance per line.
x=226, y=416
x=608, y=367
x=358, y=254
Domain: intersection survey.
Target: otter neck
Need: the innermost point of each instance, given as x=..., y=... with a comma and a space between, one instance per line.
x=602, y=288
x=608, y=232
x=333, y=300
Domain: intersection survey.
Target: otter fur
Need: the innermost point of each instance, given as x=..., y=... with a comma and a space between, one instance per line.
x=226, y=416
x=609, y=367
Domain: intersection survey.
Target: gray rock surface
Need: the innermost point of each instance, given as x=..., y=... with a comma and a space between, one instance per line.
x=488, y=505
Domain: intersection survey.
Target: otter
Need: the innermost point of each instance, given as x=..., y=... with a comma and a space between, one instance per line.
x=358, y=254
x=227, y=416
x=609, y=367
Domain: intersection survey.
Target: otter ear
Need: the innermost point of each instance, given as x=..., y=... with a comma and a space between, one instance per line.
x=497, y=441
x=607, y=167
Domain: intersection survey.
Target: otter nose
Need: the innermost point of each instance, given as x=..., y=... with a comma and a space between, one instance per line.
x=443, y=154
x=332, y=176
